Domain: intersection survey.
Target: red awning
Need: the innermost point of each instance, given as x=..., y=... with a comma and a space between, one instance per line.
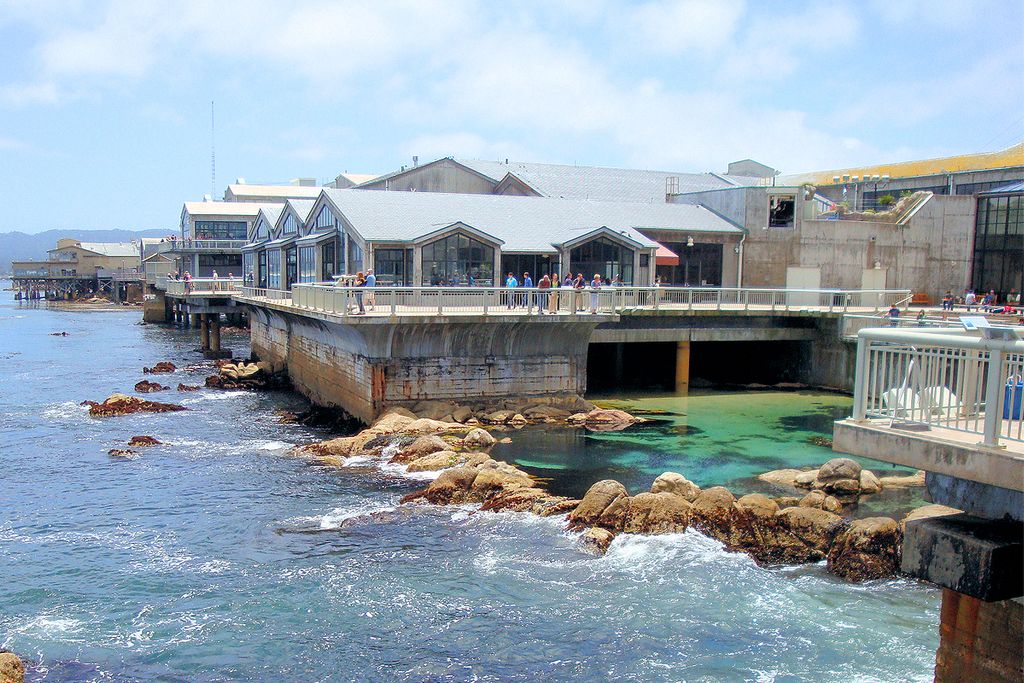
x=665, y=256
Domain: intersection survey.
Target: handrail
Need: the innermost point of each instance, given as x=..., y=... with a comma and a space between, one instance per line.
x=941, y=378
x=204, y=285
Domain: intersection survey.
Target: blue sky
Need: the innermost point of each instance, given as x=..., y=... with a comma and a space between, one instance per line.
x=105, y=106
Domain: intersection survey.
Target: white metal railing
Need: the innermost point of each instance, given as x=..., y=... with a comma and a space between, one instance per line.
x=204, y=285
x=197, y=244
x=156, y=270
x=941, y=379
x=331, y=298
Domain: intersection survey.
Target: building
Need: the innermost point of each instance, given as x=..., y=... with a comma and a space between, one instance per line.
x=422, y=238
x=211, y=237
x=999, y=240
x=301, y=188
x=74, y=267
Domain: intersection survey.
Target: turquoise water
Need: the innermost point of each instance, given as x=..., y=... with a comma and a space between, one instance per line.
x=712, y=438
x=219, y=558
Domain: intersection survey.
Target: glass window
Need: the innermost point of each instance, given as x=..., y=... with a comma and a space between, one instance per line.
x=221, y=230
x=274, y=269
x=355, y=257
x=324, y=220
x=455, y=259
x=262, y=231
x=248, y=263
x=393, y=267
x=328, y=257
x=291, y=226
x=781, y=211
x=999, y=246
x=261, y=276
x=605, y=257
x=225, y=264
x=307, y=264
x=291, y=270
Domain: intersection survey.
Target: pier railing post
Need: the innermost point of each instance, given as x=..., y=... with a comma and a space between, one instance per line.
x=995, y=384
x=860, y=389
x=487, y=296
x=393, y=295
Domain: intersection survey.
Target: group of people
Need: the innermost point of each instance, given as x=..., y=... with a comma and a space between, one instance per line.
x=989, y=303
x=546, y=295
x=367, y=281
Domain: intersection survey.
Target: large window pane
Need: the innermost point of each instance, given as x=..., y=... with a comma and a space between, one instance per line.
x=457, y=259
x=604, y=257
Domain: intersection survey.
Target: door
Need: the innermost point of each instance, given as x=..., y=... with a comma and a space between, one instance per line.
x=873, y=278
x=803, y=278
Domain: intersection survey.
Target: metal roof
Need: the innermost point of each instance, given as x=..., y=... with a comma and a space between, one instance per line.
x=302, y=207
x=283, y=191
x=226, y=208
x=108, y=248
x=1017, y=186
x=522, y=223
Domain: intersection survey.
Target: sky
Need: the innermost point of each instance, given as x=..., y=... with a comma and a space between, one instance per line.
x=105, y=105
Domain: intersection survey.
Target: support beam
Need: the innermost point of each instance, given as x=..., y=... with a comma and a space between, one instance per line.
x=215, y=333
x=195, y=320
x=683, y=367
x=204, y=332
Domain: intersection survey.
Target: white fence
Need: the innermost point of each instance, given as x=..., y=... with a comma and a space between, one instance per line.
x=941, y=378
x=197, y=244
x=204, y=286
x=533, y=301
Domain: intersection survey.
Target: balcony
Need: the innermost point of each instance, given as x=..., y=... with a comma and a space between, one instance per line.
x=190, y=245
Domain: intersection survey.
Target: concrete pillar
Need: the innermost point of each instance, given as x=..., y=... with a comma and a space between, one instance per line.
x=195, y=320
x=215, y=333
x=979, y=641
x=204, y=332
x=683, y=367
x=620, y=359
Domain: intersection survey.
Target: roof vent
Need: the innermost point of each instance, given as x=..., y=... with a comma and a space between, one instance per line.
x=672, y=185
x=239, y=181
x=415, y=161
x=207, y=198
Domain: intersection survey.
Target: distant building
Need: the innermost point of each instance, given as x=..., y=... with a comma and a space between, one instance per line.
x=999, y=240
x=73, y=267
x=240, y=192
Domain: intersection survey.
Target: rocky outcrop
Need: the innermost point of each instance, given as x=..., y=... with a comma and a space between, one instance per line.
x=242, y=375
x=821, y=501
x=160, y=368
x=803, y=535
x=188, y=387
x=910, y=481
x=596, y=540
x=785, y=477
x=478, y=438
x=599, y=497
x=143, y=440
x=673, y=482
x=844, y=478
x=441, y=460
x=867, y=549
x=12, y=669
x=928, y=511
x=656, y=513
x=146, y=387
x=122, y=404
x=421, y=447
x=713, y=513
x=604, y=420
x=122, y=453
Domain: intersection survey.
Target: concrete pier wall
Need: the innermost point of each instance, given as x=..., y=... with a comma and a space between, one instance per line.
x=367, y=364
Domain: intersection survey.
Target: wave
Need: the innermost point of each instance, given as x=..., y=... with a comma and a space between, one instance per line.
x=65, y=411
x=337, y=517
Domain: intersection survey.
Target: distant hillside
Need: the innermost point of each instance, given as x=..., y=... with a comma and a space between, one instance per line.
x=18, y=246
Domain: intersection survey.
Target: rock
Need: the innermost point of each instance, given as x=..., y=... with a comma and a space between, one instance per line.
x=59, y=334
x=392, y=421
x=188, y=387
x=843, y=487
x=122, y=453
x=518, y=420
x=753, y=526
x=422, y=446
x=758, y=505
x=595, y=502
x=657, y=513
x=805, y=534
x=576, y=418
x=869, y=482
x=806, y=479
x=435, y=461
x=498, y=417
x=821, y=501
x=614, y=516
x=820, y=441
x=604, y=419
x=546, y=413
x=713, y=513
x=12, y=669
x=490, y=480
x=398, y=410
x=247, y=371
x=478, y=438
x=788, y=501
x=121, y=404
x=145, y=387
x=927, y=511
x=143, y=440
x=673, y=482
x=462, y=414
x=839, y=468
x=912, y=480
x=785, y=477
x=424, y=425
x=433, y=410
x=161, y=367
x=452, y=487
x=868, y=549
x=515, y=500
x=596, y=540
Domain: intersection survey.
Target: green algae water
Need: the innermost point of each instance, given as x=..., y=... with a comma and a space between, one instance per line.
x=217, y=557
x=722, y=438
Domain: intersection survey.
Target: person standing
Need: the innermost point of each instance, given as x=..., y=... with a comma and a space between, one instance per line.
x=894, y=316
x=527, y=295
x=360, y=283
x=511, y=283
x=543, y=291
x=553, y=296
x=595, y=286
x=947, y=301
x=970, y=300
x=577, y=286
x=371, y=282
x=188, y=282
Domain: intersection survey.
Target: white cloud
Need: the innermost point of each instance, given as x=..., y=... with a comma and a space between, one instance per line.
x=675, y=26
x=25, y=94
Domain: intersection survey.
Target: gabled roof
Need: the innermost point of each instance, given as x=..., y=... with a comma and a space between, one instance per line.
x=302, y=207
x=241, y=209
x=602, y=184
x=1010, y=188
x=522, y=223
x=115, y=249
x=271, y=212
x=244, y=191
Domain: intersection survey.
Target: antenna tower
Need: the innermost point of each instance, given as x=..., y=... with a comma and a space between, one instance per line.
x=213, y=156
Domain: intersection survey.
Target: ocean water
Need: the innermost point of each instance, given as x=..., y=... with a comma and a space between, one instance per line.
x=217, y=557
